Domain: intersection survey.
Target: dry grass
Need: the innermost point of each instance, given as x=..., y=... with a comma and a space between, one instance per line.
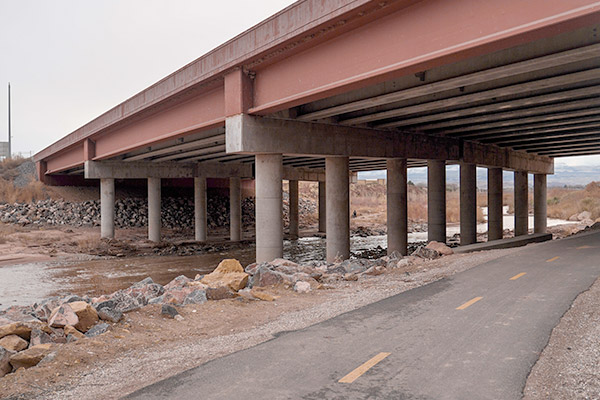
x=9, y=193
x=564, y=203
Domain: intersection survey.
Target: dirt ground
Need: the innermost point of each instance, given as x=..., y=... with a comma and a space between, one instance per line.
x=145, y=347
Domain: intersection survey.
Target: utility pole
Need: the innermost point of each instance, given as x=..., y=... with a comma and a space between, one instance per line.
x=9, y=134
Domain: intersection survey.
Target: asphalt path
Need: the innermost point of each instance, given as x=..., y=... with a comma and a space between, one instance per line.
x=475, y=335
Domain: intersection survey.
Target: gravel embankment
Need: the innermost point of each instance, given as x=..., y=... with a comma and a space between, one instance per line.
x=569, y=366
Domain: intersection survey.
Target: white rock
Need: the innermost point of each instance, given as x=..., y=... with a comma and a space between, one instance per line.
x=302, y=287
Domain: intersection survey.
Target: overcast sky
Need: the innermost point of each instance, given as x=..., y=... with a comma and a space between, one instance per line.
x=70, y=61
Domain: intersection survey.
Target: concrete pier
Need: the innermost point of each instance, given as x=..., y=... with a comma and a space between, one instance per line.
x=269, y=215
x=235, y=209
x=322, y=208
x=200, y=223
x=397, y=220
x=436, y=201
x=521, y=203
x=338, y=208
x=154, y=205
x=293, y=204
x=107, y=208
x=540, y=203
x=468, y=204
x=495, y=213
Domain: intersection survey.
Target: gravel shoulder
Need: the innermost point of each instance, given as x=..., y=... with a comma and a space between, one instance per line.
x=569, y=366
x=146, y=347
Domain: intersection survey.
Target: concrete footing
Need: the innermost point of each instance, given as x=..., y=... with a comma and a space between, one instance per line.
x=540, y=203
x=338, y=208
x=468, y=204
x=521, y=203
x=495, y=212
x=397, y=220
x=235, y=209
x=269, y=215
x=293, y=209
x=107, y=208
x=436, y=201
x=200, y=222
x=154, y=200
x=505, y=243
x=322, y=208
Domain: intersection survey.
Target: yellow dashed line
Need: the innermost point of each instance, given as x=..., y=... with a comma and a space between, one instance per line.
x=354, y=375
x=514, y=278
x=469, y=303
x=583, y=247
x=553, y=259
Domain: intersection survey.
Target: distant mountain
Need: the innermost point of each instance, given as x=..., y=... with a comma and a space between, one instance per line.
x=563, y=175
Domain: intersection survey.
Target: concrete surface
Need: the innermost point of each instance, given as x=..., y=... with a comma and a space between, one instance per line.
x=517, y=241
x=473, y=336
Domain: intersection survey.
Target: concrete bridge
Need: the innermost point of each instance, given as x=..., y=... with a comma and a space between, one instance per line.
x=324, y=89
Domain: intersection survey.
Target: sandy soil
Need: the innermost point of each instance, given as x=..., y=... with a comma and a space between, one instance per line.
x=569, y=366
x=145, y=347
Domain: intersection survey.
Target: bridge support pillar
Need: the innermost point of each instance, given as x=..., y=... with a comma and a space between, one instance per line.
x=200, y=209
x=154, y=201
x=397, y=220
x=293, y=209
x=107, y=208
x=540, y=203
x=322, y=208
x=235, y=209
x=338, y=208
x=468, y=203
x=495, y=211
x=269, y=223
x=436, y=201
x=521, y=203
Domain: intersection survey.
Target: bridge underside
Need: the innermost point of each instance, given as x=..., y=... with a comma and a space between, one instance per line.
x=506, y=87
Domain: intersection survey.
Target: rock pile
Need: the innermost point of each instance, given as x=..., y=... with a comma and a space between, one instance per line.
x=176, y=212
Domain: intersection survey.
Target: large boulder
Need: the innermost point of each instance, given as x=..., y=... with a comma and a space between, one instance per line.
x=62, y=316
x=265, y=276
x=16, y=328
x=38, y=336
x=228, y=273
x=13, y=343
x=86, y=314
x=425, y=253
x=440, y=248
x=178, y=282
x=30, y=357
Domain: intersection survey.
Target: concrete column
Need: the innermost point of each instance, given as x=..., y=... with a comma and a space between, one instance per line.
x=200, y=208
x=235, y=209
x=269, y=203
x=154, y=209
x=322, y=208
x=468, y=204
x=521, y=203
x=436, y=201
x=397, y=220
x=540, y=203
x=495, y=212
x=293, y=203
x=338, y=207
x=107, y=208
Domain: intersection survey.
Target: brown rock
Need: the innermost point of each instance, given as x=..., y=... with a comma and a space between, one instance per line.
x=86, y=314
x=16, y=328
x=62, y=316
x=220, y=293
x=229, y=273
x=440, y=248
x=30, y=357
x=262, y=295
x=350, y=277
x=70, y=330
x=5, y=367
x=13, y=343
x=377, y=270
